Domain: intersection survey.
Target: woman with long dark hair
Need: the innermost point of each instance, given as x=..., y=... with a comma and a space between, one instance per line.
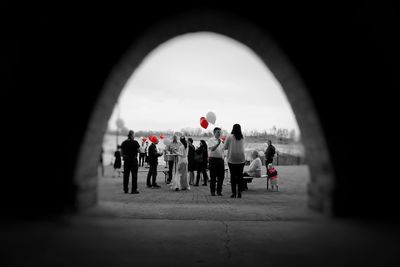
x=201, y=158
x=181, y=177
x=236, y=159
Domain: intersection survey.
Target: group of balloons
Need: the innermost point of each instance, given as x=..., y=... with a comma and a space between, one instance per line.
x=204, y=121
x=210, y=118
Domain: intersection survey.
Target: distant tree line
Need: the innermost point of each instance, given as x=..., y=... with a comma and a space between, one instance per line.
x=275, y=134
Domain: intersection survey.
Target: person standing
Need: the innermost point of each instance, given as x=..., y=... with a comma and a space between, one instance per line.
x=272, y=177
x=191, y=162
x=130, y=148
x=117, y=160
x=217, y=165
x=254, y=168
x=142, y=154
x=171, y=149
x=236, y=159
x=201, y=159
x=101, y=162
x=180, y=179
x=146, y=154
x=269, y=154
x=255, y=165
x=153, y=162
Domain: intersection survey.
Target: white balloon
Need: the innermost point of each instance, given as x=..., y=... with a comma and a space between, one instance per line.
x=120, y=123
x=166, y=141
x=211, y=117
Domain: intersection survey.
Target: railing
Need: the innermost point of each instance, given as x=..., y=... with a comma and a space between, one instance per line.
x=284, y=159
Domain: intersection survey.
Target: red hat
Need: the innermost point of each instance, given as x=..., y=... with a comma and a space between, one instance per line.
x=153, y=139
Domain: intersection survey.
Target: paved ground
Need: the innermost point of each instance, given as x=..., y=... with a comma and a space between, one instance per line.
x=160, y=227
x=197, y=204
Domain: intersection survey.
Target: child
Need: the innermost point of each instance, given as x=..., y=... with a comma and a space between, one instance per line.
x=272, y=177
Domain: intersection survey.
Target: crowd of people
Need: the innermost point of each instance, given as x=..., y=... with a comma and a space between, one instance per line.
x=187, y=159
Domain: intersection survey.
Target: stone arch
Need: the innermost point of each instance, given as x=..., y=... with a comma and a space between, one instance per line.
x=321, y=182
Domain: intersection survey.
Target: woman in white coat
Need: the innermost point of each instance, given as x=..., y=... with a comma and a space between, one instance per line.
x=180, y=181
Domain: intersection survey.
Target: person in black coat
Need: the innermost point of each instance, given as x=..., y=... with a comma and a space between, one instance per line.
x=201, y=159
x=130, y=149
x=191, y=162
x=269, y=153
x=153, y=155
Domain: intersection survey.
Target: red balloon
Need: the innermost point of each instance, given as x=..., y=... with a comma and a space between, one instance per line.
x=161, y=136
x=203, y=122
x=144, y=139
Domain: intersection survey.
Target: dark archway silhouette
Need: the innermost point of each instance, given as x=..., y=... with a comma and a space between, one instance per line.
x=322, y=178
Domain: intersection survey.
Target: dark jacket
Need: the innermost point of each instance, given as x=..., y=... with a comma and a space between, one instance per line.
x=203, y=151
x=130, y=149
x=270, y=152
x=191, y=153
x=153, y=155
x=191, y=162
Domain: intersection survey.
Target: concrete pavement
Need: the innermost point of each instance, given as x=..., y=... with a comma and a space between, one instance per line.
x=161, y=227
x=290, y=203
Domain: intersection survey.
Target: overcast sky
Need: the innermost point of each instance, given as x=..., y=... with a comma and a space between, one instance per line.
x=190, y=75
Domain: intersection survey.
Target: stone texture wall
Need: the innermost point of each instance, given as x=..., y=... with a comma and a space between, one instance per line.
x=63, y=68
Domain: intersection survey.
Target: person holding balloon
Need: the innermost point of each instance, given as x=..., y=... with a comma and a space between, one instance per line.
x=216, y=161
x=216, y=155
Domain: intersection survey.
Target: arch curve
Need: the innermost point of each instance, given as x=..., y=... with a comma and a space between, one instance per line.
x=321, y=182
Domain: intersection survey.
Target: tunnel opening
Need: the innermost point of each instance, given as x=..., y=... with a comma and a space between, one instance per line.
x=321, y=179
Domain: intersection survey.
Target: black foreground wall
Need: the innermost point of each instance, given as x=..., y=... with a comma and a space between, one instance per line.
x=55, y=60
